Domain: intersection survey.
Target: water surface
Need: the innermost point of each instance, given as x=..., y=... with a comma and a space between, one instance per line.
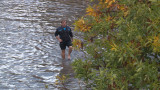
x=29, y=52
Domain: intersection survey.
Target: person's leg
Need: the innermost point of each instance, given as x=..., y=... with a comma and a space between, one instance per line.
x=69, y=52
x=63, y=47
x=69, y=44
x=63, y=54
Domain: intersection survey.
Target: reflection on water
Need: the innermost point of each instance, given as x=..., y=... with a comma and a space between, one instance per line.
x=29, y=52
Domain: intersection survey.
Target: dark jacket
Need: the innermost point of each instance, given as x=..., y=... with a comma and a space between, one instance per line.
x=65, y=33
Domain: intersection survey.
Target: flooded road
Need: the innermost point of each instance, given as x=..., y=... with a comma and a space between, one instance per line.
x=29, y=52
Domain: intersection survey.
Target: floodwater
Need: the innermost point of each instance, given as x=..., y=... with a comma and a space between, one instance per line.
x=29, y=53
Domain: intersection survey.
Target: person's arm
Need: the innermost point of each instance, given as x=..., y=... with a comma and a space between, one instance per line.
x=71, y=34
x=72, y=39
x=60, y=40
x=57, y=37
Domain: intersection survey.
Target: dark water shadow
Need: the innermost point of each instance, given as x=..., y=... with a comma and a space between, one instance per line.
x=69, y=73
x=67, y=68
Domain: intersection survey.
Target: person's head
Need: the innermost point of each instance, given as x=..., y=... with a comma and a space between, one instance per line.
x=63, y=23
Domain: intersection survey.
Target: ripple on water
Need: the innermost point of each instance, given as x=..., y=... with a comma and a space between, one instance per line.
x=29, y=52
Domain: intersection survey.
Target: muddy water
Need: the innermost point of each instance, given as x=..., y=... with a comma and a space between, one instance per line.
x=29, y=52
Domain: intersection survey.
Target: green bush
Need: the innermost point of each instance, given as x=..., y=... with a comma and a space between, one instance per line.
x=122, y=41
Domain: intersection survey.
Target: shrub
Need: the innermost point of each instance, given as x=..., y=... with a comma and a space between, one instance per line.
x=122, y=41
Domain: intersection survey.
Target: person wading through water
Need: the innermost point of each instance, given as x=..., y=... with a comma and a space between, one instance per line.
x=65, y=36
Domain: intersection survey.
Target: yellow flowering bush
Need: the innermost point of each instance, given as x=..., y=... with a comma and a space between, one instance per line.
x=122, y=44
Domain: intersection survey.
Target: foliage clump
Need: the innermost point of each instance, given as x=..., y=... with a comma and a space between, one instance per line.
x=122, y=39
